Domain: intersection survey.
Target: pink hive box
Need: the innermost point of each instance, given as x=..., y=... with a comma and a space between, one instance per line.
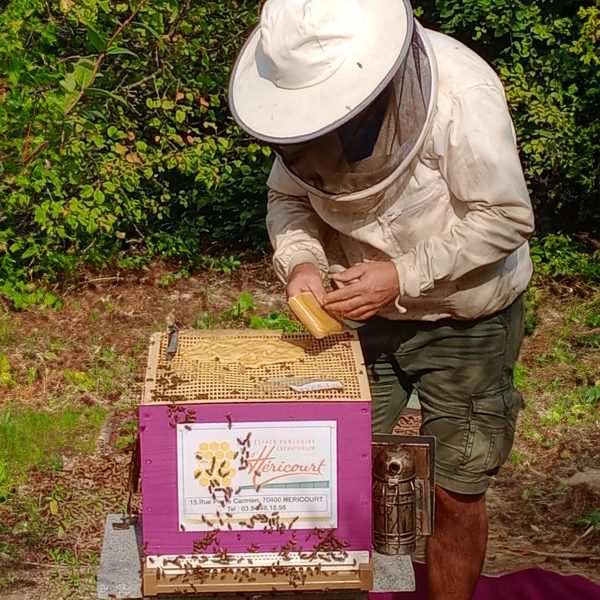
x=256, y=463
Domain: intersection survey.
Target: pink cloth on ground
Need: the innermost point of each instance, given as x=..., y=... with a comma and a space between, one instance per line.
x=528, y=584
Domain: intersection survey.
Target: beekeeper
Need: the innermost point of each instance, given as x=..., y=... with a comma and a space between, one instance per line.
x=396, y=161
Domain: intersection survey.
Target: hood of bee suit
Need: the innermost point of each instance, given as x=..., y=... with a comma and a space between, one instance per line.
x=342, y=90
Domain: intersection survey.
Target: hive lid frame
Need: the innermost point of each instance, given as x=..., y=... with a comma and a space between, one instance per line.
x=336, y=357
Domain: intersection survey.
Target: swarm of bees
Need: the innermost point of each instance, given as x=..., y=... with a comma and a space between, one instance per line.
x=192, y=570
x=216, y=474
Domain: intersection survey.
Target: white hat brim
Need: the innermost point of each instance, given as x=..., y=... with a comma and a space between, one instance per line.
x=278, y=115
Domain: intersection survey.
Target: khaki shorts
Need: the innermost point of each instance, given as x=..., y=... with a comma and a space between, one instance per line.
x=462, y=372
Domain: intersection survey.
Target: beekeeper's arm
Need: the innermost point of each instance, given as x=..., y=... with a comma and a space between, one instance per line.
x=297, y=235
x=478, y=158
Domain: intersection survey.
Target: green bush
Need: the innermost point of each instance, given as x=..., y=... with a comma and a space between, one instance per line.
x=546, y=53
x=116, y=140
x=116, y=143
x=559, y=256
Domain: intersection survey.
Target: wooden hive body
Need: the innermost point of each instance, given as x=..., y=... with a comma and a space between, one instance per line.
x=248, y=484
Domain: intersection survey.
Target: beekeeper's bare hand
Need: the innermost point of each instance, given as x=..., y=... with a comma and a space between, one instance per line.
x=305, y=277
x=364, y=290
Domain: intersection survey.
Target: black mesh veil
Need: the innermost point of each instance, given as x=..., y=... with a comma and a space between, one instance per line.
x=373, y=144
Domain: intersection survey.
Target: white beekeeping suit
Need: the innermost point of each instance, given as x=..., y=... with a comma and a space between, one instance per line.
x=420, y=169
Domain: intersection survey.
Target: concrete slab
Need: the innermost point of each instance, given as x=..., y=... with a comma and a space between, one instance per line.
x=392, y=574
x=120, y=576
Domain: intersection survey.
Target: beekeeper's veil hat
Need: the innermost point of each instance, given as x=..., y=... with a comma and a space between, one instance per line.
x=341, y=89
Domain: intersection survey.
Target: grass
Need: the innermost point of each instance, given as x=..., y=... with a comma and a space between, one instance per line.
x=578, y=406
x=101, y=363
x=107, y=371
x=34, y=442
x=32, y=439
x=522, y=378
x=533, y=298
x=587, y=313
x=560, y=379
x=72, y=574
x=517, y=458
x=559, y=352
x=126, y=435
x=6, y=375
x=7, y=329
x=245, y=312
x=590, y=518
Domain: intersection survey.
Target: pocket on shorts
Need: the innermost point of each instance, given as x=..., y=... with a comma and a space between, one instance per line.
x=491, y=430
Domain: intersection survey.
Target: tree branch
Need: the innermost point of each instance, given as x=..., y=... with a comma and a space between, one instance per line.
x=99, y=60
x=102, y=55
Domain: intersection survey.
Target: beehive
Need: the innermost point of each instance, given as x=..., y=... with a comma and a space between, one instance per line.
x=256, y=462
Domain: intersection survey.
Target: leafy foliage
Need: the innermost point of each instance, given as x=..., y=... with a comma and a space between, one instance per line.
x=115, y=137
x=546, y=53
x=116, y=143
x=561, y=256
x=245, y=310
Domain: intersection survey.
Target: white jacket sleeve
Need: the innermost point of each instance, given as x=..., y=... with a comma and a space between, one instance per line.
x=477, y=156
x=295, y=230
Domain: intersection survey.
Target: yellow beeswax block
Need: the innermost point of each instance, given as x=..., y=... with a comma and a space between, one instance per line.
x=312, y=315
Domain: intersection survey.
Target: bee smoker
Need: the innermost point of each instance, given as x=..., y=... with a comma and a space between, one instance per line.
x=394, y=501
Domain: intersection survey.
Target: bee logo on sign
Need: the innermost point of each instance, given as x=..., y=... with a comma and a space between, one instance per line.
x=214, y=463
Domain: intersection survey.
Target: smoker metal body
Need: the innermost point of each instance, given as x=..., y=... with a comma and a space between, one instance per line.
x=403, y=492
x=394, y=503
